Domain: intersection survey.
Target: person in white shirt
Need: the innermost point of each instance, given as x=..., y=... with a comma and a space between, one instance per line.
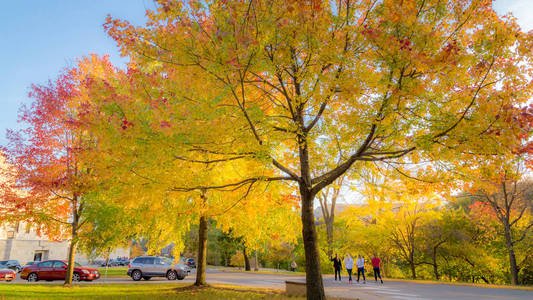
x=348, y=264
x=360, y=262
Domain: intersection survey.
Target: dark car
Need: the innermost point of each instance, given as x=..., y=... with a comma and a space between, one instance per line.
x=191, y=263
x=110, y=263
x=123, y=262
x=10, y=264
x=57, y=270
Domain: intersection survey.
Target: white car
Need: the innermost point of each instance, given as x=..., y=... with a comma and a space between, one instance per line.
x=146, y=267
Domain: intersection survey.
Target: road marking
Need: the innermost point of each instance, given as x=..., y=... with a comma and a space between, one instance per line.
x=480, y=296
x=407, y=298
x=391, y=292
x=395, y=293
x=381, y=288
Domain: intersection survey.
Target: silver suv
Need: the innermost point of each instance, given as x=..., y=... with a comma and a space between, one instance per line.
x=152, y=266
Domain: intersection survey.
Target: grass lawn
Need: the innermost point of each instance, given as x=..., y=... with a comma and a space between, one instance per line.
x=113, y=272
x=130, y=292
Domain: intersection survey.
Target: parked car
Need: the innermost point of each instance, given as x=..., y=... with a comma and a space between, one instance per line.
x=29, y=264
x=185, y=267
x=191, y=263
x=10, y=264
x=110, y=263
x=123, y=262
x=7, y=275
x=57, y=270
x=146, y=267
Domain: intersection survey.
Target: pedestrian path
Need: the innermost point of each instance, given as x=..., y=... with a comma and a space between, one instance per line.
x=390, y=292
x=368, y=291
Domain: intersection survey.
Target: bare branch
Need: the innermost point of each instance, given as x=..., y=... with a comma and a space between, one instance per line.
x=229, y=186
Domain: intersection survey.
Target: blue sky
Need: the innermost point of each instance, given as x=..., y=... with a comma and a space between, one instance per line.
x=41, y=37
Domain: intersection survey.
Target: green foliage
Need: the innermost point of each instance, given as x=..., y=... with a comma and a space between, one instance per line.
x=237, y=260
x=109, y=225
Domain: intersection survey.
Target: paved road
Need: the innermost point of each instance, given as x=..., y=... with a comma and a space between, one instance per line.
x=391, y=290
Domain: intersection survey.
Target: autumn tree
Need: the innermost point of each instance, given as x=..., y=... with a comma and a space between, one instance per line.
x=501, y=186
x=48, y=157
x=507, y=197
x=149, y=138
x=398, y=218
x=384, y=82
x=440, y=234
x=268, y=218
x=108, y=225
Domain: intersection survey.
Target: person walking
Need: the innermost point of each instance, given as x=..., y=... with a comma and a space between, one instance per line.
x=348, y=264
x=375, y=264
x=294, y=266
x=337, y=265
x=360, y=262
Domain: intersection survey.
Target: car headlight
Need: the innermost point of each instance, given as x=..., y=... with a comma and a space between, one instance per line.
x=85, y=271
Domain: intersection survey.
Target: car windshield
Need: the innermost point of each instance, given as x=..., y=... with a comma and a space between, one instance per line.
x=167, y=260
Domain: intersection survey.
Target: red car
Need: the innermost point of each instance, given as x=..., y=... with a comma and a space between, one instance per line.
x=57, y=270
x=7, y=275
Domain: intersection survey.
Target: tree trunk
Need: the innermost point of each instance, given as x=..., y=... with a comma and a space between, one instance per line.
x=329, y=234
x=73, y=242
x=70, y=264
x=246, y=260
x=313, y=275
x=435, y=268
x=256, y=262
x=202, y=252
x=512, y=256
x=413, y=269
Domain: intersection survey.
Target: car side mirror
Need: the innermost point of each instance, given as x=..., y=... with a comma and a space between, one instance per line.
x=64, y=267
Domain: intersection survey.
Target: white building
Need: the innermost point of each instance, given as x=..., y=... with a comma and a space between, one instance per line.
x=21, y=242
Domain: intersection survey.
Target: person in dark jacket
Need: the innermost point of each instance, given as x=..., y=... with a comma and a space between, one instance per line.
x=337, y=265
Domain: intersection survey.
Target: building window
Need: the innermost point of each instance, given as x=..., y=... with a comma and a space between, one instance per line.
x=28, y=227
x=11, y=234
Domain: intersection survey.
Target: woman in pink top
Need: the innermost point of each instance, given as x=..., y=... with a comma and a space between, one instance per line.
x=375, y=263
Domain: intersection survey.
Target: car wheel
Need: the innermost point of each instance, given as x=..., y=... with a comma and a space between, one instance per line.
x=181, y=277
x=76, y=277
x=146, y=277
x=136, y=275
x=171, y=275
x=33, y=277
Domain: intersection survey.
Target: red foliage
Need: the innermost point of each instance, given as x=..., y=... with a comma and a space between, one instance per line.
x=44, y=154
